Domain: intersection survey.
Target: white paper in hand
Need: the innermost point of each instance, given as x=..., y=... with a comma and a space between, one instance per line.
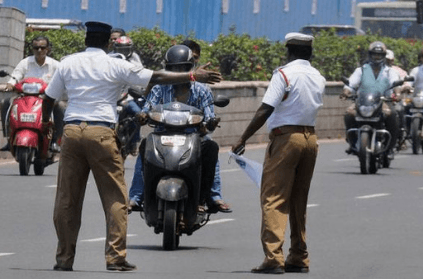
x=252, y=168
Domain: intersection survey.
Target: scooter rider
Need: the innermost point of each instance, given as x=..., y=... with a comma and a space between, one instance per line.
x=39, y=65
x=373, y=76
x=179, y=58
x=123, y=48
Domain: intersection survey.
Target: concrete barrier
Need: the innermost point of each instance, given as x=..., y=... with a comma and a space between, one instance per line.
x=246, y=97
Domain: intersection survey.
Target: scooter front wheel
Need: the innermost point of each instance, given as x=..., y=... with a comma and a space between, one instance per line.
x=24, y=158
x=367, y=160
x=170, y=236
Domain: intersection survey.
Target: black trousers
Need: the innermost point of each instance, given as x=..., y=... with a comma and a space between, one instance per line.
x=209, y=157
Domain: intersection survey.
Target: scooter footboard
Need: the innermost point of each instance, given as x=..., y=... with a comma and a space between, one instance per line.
x=172, y=189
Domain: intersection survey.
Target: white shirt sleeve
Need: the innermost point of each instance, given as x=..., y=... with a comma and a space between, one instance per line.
x=275, y=91
x=56, y=88
x=355, y=80
x=19, y=72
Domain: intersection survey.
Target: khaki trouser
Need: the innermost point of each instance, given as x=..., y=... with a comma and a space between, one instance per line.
x=287, y=172
x=86, y=148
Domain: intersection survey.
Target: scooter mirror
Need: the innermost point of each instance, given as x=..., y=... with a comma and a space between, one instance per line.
x=397, y=83
x=221, y=101
x=3, y=73
x=409, y=78
x=345, y=80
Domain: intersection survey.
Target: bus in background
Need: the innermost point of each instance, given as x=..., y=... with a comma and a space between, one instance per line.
x=391, y=19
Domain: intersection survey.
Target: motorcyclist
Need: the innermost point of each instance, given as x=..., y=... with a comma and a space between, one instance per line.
x=399, y=107
x=179, y=58
x=373, y=76
x=417, y=73
x=123, y=48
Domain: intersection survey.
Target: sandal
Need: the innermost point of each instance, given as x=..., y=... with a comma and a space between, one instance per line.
x=222, y=206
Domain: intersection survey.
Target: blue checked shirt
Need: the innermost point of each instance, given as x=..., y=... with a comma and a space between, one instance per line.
x=200, y=97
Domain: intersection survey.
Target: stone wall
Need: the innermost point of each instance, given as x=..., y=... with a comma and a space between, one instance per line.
x=246, y=98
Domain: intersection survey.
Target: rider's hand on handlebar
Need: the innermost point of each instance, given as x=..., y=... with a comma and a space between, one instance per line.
x=9, y=87
x=213, y=123
x=142, y=118
x=206, y=76
x=344, y=95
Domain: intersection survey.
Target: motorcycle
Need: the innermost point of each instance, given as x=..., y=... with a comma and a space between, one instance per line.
x=414, y=120
x=371, y=138
x=127, y=124
x=172, y=171
x=29, y=145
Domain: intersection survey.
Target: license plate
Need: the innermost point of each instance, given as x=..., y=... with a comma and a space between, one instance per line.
x=173, y=140
x=28, y=117
x=416, y=110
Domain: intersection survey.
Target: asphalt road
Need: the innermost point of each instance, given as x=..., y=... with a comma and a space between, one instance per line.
x=359, y=226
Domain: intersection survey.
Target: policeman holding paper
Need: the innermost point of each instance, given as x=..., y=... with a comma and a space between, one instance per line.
x=290, y=107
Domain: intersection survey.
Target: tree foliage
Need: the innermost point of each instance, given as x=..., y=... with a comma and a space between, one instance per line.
x=242, y=58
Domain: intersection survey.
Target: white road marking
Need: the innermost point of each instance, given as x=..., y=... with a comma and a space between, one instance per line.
x=6, y=254
x=51, y=186
x=230, y=170
x=312, y=205
x=102, y=238
x=220, y=221
x=373, y=196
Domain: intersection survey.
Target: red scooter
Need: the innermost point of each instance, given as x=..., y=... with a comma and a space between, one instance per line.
x=29, y=145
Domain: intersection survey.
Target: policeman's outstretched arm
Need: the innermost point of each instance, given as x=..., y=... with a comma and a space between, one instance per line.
x=200, y=74
x=262, y=113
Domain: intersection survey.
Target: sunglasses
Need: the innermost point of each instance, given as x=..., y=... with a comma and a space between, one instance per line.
x=38, y=47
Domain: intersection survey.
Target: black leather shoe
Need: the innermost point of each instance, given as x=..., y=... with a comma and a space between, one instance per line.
x=60, y=268
x=6, y=147
x=125, y=266
x=268, y=270
x=296, y=269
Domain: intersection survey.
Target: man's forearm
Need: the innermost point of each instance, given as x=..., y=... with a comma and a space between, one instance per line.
x=257, y=122
x=47, y=108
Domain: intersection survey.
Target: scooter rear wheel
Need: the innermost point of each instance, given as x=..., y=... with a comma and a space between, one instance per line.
x=24, y=159
x=170, y=236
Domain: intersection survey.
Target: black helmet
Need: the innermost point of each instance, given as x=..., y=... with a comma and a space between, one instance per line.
x=379, y=49
x=124, y=46
x=179, y=55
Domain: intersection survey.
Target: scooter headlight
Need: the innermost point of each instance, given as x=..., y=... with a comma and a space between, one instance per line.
x=156, y=116
x=366, y=111
x=418, y=101
x=31, y=88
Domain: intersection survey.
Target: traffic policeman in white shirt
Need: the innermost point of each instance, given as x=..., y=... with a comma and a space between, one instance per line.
x=290, y=107
x=40, y=66
x=92, y=81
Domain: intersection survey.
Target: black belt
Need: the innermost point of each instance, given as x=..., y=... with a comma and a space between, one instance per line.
x=91, y=123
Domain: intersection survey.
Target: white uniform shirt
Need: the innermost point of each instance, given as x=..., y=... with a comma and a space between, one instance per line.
x=93, y=82
x=417, y=73
x=28, y=67
x=304, y=99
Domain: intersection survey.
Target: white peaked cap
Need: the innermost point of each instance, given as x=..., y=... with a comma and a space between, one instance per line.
x=295, y=38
